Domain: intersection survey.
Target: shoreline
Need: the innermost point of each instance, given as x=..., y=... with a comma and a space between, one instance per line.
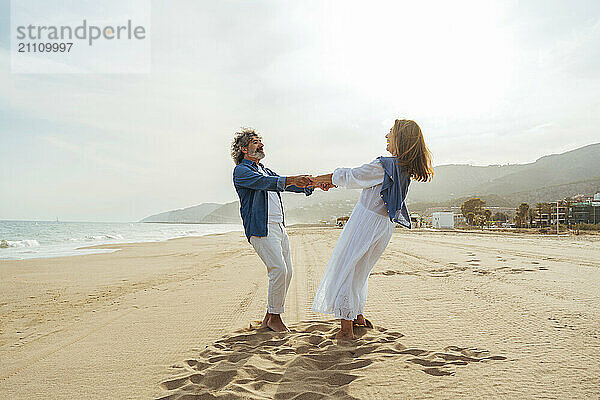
x=72, y=249
x=116, y=246
x=189, y=223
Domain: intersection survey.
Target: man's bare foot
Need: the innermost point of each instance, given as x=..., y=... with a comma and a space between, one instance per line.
x=360, y=319
x=276, y=324
x=265, y=320
x=345, y=332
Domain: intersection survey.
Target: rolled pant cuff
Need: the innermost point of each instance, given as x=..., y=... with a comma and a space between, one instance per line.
x=275, y=310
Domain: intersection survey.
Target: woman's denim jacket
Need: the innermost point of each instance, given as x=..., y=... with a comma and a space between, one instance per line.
x=394, y=190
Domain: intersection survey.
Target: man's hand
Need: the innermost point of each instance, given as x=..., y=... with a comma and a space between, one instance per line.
x=322, y=181
x=322, y=178
x=301, y=181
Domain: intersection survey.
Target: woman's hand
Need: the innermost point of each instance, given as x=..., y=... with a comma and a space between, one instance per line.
x=322, y=181
x=326, y=186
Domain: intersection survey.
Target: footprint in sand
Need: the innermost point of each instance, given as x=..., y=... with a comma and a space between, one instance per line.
x=306, y=363
x=481, y=271
x=517, y=270
x=393, y=272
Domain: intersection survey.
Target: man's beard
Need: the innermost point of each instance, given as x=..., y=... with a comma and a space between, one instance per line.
x=258, y=154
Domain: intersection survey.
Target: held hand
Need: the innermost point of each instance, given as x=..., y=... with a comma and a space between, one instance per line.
x=321, y=179
x=323, y=182
x=326, y=186
x=301, y=181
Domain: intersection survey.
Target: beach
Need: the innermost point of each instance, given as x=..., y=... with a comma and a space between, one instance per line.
x=456, y=315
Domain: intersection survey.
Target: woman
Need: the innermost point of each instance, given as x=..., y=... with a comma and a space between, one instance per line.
x=385, y=180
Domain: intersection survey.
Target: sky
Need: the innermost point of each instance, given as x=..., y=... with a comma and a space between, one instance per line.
x=489, y=82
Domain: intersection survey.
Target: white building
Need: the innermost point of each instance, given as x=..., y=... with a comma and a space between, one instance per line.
x=442, y=220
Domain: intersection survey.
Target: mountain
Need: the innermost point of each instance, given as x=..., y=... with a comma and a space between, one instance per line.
x=452, y=181
x=298, y=207
x=555, y=192
x=226, y=214
x=577, y=165
x=189, y=215
x=549, y=178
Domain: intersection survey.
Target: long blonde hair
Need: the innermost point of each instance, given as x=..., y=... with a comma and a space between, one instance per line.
x=408, y=146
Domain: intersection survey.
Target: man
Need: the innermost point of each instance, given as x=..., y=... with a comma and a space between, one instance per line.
x=262, y=214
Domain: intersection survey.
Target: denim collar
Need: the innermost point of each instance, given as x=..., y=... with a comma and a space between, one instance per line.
x=252, y=163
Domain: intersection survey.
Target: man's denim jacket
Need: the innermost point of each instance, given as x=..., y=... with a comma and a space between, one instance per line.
x=252, y=186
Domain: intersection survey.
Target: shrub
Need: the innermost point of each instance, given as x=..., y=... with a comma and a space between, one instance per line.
x=586, y=227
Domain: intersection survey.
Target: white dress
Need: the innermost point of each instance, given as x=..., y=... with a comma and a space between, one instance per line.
x=343, y=288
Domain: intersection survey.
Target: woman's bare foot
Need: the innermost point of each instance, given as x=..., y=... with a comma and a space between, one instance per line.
x=276, y=324
x=341, y=335
x=346, y=332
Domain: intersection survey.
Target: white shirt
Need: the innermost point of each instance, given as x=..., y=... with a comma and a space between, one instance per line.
x=368, y=177
x=275, y=211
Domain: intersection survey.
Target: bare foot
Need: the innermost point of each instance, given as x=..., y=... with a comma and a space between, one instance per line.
x=265, y=320
x=360, y=319
x=343, y=335
x=276, y=324
x=345, y=332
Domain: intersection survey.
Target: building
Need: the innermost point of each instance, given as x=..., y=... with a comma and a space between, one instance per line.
x=549, y=218
x=442, y=220
x=580, y=209
x=460, y=219
x=585, y=211
x=416, y=221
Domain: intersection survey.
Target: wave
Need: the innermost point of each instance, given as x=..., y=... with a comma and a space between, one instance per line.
x=54, y=240
x=5, y=244
x=101, y=237
x=19, y=243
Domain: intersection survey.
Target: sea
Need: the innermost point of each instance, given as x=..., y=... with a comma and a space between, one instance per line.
x=39, y=239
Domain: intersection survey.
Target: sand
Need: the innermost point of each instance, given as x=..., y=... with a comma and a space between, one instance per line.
x=457, y=315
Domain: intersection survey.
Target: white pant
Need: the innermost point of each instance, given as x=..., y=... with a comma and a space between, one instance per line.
x=274, y=251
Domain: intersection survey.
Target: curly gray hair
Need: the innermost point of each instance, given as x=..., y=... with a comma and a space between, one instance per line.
x=241, y=139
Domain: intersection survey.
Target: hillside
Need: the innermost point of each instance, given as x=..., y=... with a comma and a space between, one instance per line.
x=556, y=192
x=549, y=178
x=190, y=214
x=558, y=169
x=454, y=181
x=226, y=214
